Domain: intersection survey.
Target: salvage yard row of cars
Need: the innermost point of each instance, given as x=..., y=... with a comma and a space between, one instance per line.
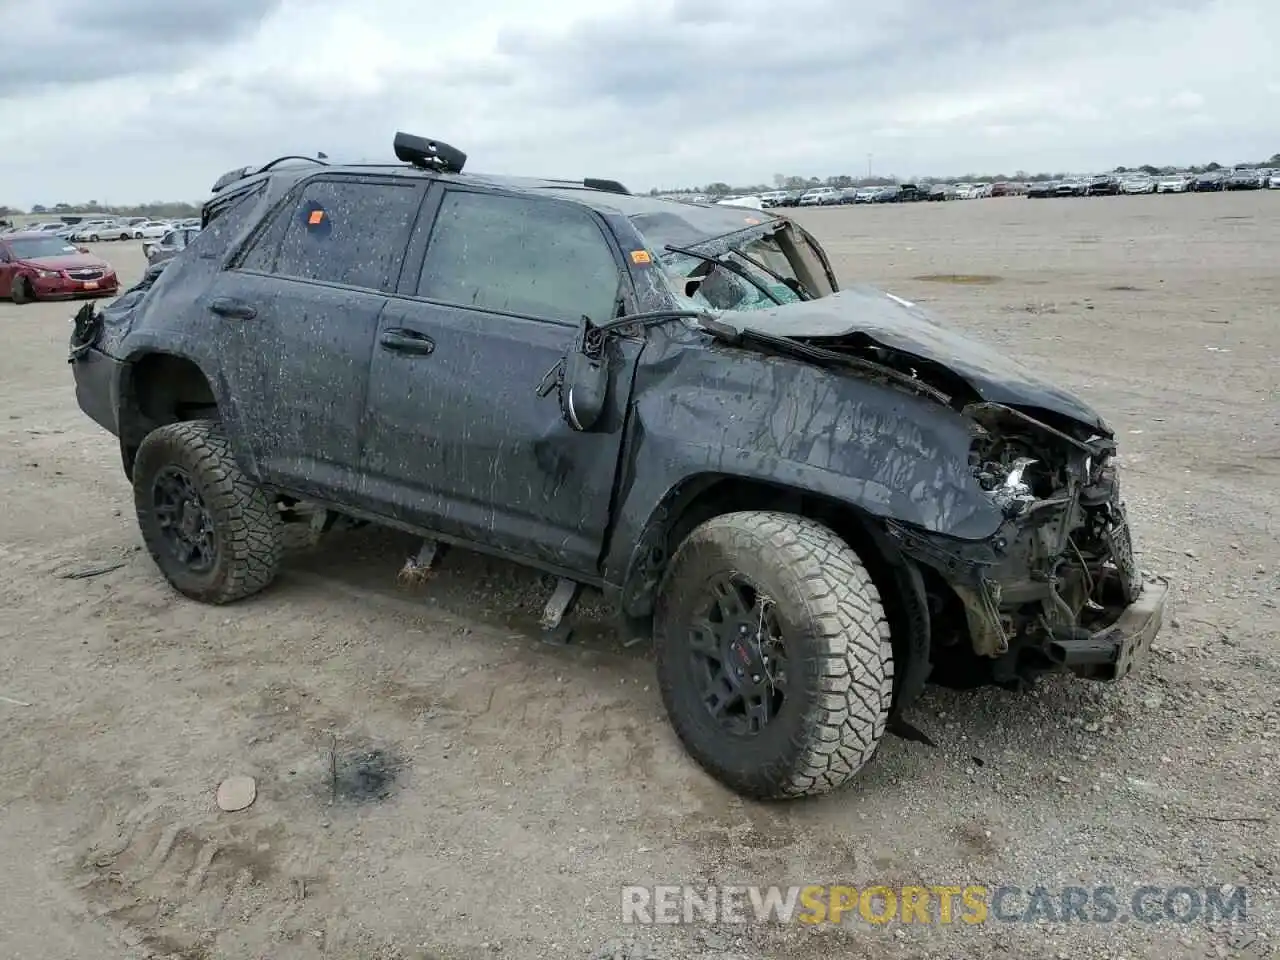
x=47, y=262
x=102, y=229
x=1107, y=184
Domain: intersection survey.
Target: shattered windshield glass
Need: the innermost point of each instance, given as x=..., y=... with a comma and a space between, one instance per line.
x=721, y=285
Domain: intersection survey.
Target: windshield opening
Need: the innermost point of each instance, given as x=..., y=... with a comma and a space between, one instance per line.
x=754, y=273
x=33, y=248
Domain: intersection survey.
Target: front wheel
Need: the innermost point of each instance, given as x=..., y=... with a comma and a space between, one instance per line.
x=21, y=291
x=774, y=656
x=213, y=532
x=93, y=238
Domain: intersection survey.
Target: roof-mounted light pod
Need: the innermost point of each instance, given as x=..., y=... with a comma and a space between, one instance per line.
x=429, y=154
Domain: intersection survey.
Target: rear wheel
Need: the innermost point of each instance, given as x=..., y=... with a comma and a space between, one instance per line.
x=214, y=534
x=774, y=658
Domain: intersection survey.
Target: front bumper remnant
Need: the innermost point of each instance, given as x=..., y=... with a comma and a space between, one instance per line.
x=1114, y=651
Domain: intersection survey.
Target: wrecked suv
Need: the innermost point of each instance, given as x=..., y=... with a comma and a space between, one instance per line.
x=813, y=499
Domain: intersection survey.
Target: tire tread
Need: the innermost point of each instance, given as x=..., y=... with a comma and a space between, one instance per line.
x=249, y=527
x=852, y=670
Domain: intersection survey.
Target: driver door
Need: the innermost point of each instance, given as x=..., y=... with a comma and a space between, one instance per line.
x=456, y=438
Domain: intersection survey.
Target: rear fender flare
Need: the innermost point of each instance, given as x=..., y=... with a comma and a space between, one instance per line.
x=134, y=425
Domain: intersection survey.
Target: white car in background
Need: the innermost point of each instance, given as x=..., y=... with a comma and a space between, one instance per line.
x=1143, y=184
x=752, y=202
x=91, y=231
x=821, y=197
x=1173, y=184
x=151, y=230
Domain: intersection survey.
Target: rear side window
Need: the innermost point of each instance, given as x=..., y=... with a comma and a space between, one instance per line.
x=224, y=217
x=537, y=258
x=341, y=231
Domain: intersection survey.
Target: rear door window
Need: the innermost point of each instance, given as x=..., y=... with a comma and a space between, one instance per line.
x=347, y=232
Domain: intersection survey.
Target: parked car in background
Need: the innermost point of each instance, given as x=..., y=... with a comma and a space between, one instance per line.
x=1103, y=185
x=92, y=231
x=890, y=194
x=752, y=202
x=170, y=245
x=1174, y=184
x=151, y=229
x=942, y=191
x=820, y=197
x=38, y=266
x=1072, y=188
x=1243, y=180
x=1208, y=181
x=866, y=194
x=774, y=198
x=1138, y=184
x=1002, y=189
x=1042, y=188
x=1274, y=181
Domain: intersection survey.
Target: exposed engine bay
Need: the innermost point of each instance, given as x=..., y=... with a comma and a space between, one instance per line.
x=1040, y=593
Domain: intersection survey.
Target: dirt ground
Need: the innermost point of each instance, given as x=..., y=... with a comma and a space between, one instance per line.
x=492, y=794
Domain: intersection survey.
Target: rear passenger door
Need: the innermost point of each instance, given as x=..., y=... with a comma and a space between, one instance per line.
x=457, y=439
x=295, y=318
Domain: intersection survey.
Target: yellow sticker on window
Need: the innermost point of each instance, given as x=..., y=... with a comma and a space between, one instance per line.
x=641, y=256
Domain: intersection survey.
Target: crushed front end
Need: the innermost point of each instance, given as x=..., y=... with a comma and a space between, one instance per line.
x=1057, y=586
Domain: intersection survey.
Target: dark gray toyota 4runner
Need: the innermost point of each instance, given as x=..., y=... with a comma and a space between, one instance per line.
x=814, y=499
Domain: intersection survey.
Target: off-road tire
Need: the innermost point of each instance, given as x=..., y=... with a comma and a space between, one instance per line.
x=246, y=525
x=840, y=673
x=20, y=291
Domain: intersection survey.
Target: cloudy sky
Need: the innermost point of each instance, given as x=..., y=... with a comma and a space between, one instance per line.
x=133, y=100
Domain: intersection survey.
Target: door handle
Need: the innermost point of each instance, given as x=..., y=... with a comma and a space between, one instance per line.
x=407, y=341
x=236, y=309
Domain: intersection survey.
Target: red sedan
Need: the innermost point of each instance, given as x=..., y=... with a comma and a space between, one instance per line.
x=36, y=266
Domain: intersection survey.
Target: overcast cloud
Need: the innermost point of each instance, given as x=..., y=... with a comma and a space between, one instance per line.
x=134, y=100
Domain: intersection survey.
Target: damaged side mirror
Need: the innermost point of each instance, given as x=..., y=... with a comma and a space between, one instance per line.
x=582, y=376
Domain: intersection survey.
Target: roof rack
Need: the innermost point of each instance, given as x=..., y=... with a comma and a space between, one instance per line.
x=230, y=177
x=596, y=183
x=239, y=173
x=428, y=154
x=293, y=156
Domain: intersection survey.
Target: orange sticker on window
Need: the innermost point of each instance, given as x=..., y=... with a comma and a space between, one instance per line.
x=641, y=256
x=752, y=220
x=316, y=217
